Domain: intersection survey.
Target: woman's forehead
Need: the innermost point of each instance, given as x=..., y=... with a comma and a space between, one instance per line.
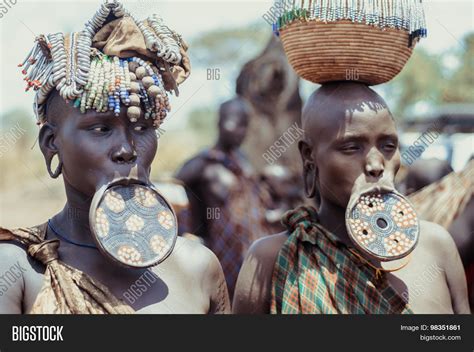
x=368, y=120
x=351, y=122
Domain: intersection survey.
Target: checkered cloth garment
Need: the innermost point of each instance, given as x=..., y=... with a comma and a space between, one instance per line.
x=315, y=273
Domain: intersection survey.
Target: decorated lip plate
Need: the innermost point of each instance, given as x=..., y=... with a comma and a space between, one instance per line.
x=383, y=225
x=133, y=224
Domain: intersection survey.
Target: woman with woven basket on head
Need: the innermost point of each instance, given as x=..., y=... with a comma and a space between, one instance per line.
x=101, y=95
x=363, y=251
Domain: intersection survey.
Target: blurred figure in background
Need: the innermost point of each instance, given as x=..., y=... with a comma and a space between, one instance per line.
x=227, y=206
x=424, y=172
x=284, y=190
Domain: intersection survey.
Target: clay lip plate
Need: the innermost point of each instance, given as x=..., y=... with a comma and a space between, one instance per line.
x=391, y=227
x=98, y=200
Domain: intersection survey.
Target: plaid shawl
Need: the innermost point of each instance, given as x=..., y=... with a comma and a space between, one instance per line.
x=315, y=273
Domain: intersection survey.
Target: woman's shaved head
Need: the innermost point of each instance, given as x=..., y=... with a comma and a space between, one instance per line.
x=336, y=101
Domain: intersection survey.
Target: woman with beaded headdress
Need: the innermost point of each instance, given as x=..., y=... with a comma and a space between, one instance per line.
x=101, y=93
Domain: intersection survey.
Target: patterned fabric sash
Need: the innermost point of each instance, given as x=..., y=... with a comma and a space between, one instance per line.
x=65, y=289
x=317, y=274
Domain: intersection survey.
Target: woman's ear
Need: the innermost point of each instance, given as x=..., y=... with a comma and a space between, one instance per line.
x=47, y=136
x=310, y=171
x=305, y=151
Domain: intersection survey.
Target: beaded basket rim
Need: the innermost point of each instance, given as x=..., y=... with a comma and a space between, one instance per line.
x=346, y=21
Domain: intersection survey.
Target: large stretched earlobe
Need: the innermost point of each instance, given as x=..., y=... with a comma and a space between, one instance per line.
x=309, y=168
x=49, y=149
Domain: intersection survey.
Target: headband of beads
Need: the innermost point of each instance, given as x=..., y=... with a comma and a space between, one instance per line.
x=93, y=80
x=399, y=14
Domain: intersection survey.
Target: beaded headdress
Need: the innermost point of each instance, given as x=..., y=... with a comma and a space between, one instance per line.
x=115, y=59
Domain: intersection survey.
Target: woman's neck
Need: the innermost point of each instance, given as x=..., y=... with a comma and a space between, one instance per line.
x=73, y=221
x=333, y=218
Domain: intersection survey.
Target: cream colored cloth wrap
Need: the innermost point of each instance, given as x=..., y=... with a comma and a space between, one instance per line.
x=122, y=38
x=65, y=289
x=452, y=193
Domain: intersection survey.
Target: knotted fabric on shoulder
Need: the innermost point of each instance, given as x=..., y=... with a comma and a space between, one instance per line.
x=65, y=290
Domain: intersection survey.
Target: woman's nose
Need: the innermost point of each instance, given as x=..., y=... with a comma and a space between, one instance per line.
x=126, y=154
x=374, y=166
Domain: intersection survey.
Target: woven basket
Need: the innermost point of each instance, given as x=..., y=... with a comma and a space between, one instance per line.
x=343, y=50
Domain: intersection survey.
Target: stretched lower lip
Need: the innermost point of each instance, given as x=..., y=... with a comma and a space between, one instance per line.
x=129, y=173
x=377, y=189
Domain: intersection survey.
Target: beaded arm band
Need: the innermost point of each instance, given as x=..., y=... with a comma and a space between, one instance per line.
x=96, y=81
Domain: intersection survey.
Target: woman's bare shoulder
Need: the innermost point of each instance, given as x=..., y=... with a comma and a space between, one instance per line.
x=253, y=288
x=267, y=248
x=194, y=259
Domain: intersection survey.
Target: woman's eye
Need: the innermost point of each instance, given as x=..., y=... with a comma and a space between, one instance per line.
x=350, y=148
x=100, y=129
x=390, y=147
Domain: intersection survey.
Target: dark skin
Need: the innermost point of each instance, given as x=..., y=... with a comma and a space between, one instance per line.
x=207, y=183
x=351, y=143
x=95, y=148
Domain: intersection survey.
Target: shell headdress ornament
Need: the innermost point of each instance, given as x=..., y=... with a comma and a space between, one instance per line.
x=115, y=59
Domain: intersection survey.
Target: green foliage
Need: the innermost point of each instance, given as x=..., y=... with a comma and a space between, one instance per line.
x=420, y=80
x=460, y=87
x=426, y=79
x=229, y=46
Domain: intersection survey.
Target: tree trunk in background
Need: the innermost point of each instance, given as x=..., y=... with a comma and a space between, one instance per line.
x=271, y=86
